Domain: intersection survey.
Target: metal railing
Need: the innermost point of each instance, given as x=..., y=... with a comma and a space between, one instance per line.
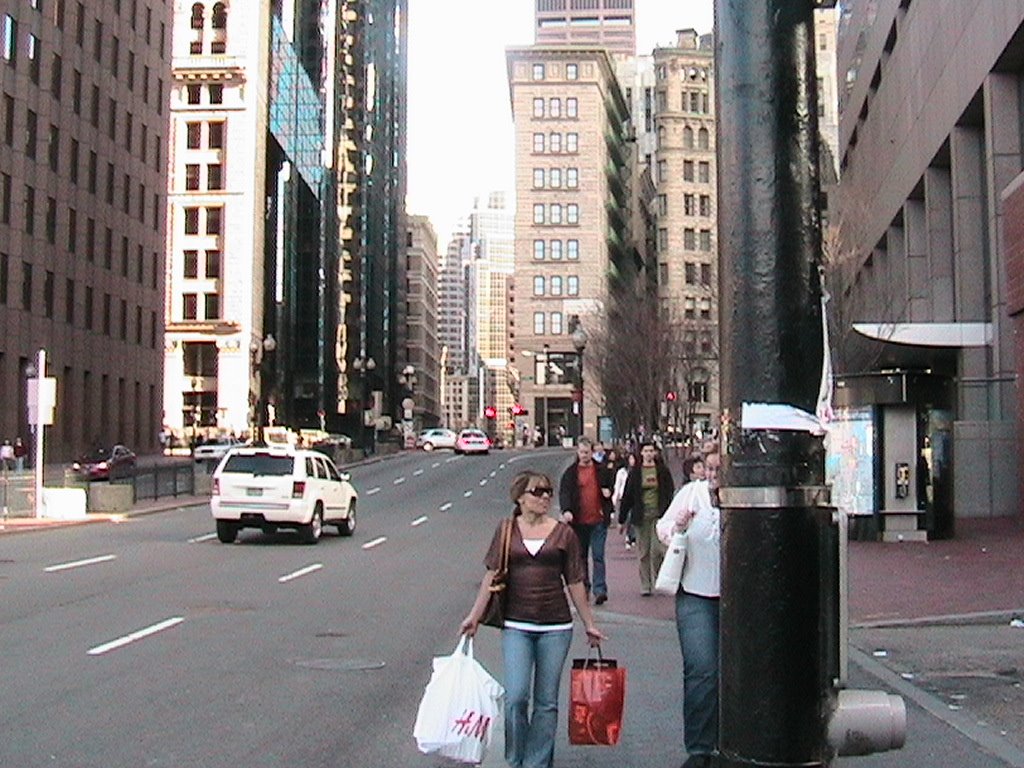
x=160, y=481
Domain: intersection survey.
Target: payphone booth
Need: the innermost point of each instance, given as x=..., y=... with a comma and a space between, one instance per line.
x=890, y=454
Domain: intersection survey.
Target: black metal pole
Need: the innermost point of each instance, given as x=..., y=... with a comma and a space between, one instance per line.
x=776, y=565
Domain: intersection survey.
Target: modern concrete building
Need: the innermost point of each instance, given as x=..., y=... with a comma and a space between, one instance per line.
x=419, y=320
x=826, y=34
x=931, y=157
x=610, y=24
x=684, y=173
x=453, y=312
x=572, y=239
x=285, y=227
x=83, y=159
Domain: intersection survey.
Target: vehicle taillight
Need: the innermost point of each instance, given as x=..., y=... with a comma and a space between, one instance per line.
x=298, y=488
x=216, y=486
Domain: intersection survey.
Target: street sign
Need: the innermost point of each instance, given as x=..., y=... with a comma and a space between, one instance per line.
x=42, y=400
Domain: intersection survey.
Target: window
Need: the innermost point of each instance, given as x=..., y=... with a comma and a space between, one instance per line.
x=705, y=309
x=73, y=161
x=90, y=239
x=705, y=205
x=192, y=176
x=556, y=213
x=213, y=221
x=211, y=306
x=572, y=285
x=555, y=108
x=538, y=107
x=663, y=274
x=538, y=142
x=5, y=276
x=662, y=239
x=704, y=173
x=556, y=178
x=538, y=285
x=215, y=176
x=53, y=148
x=703, y=139
x=687, y=169
x=687, y=137
x=572, y=107
x=212, y=265
x=538, y=178
x=705, y=274
x=8, y=120
x=572, y=178
x=220, y=16
x=689, y=205
x=691, y=273
x=216, y=93
x=26, y=286
x=110, y=183
x=555, y=143
x=190, y=306
x=72, y=230
x=538, y=71
x=9, y=41
x=572, y=250
x=705, y=239
x=689, y=239
x=69, y=301
x=538, y=213
x=94, y=107
x=125, y=252
x=572, y=213
x=556, y=323
x=572, y=142
x=5, y=198
x=30, y=210
x=191, y=221
x=131, y=70
x=538, y=249
x=92, y=172
x=51, y=220
x=48, y=280
x=572, y=71
x=663, y=170
x=193, y=93
x=556, y=286
x=115, y=56
x=538, y=323
x=88, y=307
x=34, y=55
x=31, y=133
x=689, y=308
x=556, y=250
x=216, y=135
x=698, y=392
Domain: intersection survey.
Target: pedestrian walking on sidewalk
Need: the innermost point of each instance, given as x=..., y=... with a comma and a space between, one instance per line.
x=695, y=509
x=20, y=452
x=648, y=491
x=543, y=562
x=585, y=498
x=7, y=456
x=621, y=474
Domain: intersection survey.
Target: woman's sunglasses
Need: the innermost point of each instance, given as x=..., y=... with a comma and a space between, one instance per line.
x=541, y=491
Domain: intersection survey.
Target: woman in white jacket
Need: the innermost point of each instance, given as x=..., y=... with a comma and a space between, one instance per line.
x=694, y=511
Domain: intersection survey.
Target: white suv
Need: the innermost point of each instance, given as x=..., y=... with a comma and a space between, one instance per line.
x=281, y=487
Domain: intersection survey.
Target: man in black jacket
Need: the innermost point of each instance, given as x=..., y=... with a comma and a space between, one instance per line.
x=585, y=498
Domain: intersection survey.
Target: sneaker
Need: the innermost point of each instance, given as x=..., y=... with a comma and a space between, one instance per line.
x=645, y=593
x=601, y=599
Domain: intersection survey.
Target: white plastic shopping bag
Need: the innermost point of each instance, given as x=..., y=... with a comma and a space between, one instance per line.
x=671, y=571
x=460, y=708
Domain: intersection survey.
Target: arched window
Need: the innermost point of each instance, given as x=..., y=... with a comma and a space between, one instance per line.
x=688, y=137
x=703, y=139
x=220, y=16
x=198, y=11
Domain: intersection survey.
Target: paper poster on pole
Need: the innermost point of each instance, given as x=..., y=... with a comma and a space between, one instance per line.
x=42, y=400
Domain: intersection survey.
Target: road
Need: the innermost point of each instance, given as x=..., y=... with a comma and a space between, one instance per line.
x=148, y=643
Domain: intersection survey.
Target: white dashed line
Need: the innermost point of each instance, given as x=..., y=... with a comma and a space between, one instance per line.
x=417, y=473
x=483, y=482
x=501, y=466
x=79, y=563
x=445, y=507
x=449, y=461
x=205, y=537
x=137, y=635
x=399, y=480
x=373, y=491
x=419, y=521
x=494, y=472
x=467, y=494
x=435, y=465
x=375, y=542
x=301, y=572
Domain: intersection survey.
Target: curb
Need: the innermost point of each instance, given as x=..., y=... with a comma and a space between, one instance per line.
x=946, y=620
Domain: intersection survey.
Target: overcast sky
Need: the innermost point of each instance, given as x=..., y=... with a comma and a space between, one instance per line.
x=460, y=125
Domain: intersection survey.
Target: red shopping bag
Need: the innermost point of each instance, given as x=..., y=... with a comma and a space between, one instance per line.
x=597, y=693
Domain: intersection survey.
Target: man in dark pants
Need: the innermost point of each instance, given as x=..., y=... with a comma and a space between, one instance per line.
x=585, y=498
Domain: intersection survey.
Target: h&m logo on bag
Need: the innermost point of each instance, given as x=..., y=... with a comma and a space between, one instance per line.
x=473, y=724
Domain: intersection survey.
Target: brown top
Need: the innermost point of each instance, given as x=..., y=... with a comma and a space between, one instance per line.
x=591, y=512
x=536, y=583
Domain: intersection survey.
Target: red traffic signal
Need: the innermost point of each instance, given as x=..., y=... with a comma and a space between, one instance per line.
x=670, y=396
x=518, y=410
x=490, y=412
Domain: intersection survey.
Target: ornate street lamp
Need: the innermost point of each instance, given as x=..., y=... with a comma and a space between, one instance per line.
x=363, y=365
x=258, y=350
x=579, y=341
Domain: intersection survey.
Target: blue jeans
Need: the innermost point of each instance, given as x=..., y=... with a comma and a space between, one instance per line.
x=697, y=624
x=598, y=537
x=536, y=657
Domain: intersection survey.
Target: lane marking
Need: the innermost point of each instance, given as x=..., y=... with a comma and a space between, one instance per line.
x=399, y=480
x=467, y=494
x=449, y=461
x=417, y=473
x=484, y=481
x=501, y=466
x=446, y=506
x=373, y=491
x=137, y=635
x=205, y=537
x=419, y=521
x=435, y=465
x=375, y=542
x=79, y=563
x=494, y=472
x=301, y=572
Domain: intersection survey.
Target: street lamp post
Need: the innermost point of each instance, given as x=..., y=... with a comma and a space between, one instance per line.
x=258, y=351
x=363, y=365
x=579, y=341
x=407, y=378
x=196, y=410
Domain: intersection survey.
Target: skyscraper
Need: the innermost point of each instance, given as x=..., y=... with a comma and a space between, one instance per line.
x=597, y=23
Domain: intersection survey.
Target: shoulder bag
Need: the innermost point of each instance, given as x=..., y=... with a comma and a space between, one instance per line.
x=494, y=613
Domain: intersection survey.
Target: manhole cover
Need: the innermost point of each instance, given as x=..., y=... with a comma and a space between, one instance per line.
x=340, y=665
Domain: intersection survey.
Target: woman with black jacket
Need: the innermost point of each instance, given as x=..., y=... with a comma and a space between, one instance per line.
x=649, y=490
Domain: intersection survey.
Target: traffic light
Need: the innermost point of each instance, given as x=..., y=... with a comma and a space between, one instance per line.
x=518, y=410
x=490, y=412
x=670, y=396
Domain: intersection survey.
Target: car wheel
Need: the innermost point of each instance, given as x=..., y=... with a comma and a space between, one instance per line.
x=348, y=526
x=312, y=530
x=428, y=446
x=227, y=531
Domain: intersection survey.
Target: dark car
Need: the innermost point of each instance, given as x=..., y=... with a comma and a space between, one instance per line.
x=102, y=464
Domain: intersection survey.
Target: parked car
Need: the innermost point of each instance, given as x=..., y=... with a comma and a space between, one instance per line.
x=102, y=464
x=215, y=449
x=472, y=441
x=430, y=439
x=281, y=487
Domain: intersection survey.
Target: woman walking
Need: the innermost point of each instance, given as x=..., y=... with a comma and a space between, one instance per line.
x=648, y=491
x=544, y=560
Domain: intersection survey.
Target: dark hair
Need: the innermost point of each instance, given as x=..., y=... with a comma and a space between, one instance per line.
x=522, y=481
x=688, y=465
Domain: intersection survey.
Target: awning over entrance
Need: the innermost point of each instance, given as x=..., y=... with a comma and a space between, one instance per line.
x=929, y=334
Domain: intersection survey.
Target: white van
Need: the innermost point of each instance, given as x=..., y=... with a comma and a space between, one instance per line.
x=271, y=487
